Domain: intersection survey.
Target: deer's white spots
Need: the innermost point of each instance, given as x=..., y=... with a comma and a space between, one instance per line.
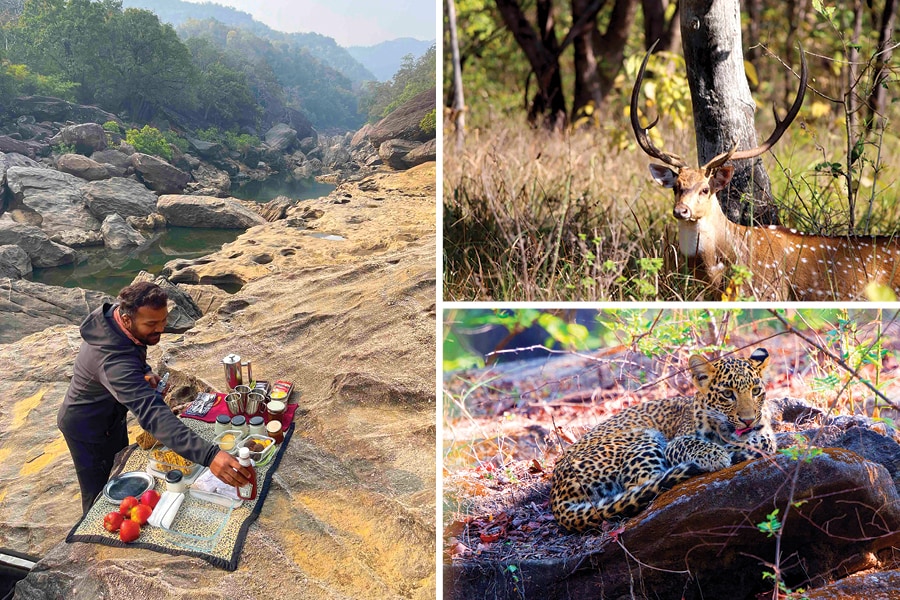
x=803, y=260
x=773, y=227
x=792, y=230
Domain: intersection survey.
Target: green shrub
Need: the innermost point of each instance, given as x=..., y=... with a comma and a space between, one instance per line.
x=23, y=81
x=177, y=141
x=149, y=140
x=62, y=148
x=428, y=122
x=111, y=127
x=230, y=139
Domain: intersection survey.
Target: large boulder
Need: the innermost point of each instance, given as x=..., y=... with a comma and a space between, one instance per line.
x=82, y=167
x=702, y=539
x=27, y=307
x=78, y=238
x=14, y=262
x=423, y=153
x=118, y=235
x=207, y=150
x=159, y=175
x=86, y=137
x=394, y=152
x=114, y=157
x=209, y=181
x=206, y=211
x=13, y=159
x=404, y=122
x=281, y=138
x=35, y=242
x=336, y=156
x=53, y=195
x=44, y=108
x=119, y=195
x=8, y=144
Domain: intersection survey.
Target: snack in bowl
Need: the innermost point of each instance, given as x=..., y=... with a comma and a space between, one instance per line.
x=261, y=447
x=165, y=460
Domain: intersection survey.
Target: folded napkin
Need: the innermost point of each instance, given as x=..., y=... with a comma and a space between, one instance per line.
x=166, y=509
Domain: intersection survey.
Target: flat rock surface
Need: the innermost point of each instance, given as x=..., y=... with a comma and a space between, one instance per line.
x=351, y=512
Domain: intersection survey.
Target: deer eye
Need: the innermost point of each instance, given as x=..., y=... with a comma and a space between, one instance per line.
x=705, y=190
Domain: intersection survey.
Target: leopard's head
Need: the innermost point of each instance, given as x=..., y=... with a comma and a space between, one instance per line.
x=730, y=393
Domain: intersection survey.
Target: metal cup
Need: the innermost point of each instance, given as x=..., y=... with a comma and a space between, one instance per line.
x=235, y=404
x=255, y=404
x=244, y=391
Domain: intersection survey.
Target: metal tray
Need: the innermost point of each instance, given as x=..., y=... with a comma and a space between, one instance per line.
x=132, y=483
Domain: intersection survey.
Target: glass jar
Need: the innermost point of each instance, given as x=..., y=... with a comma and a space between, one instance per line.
x=257, y=425
x=175, y=482
x=275, y=410
x=240, y=423
x=223, y=423
x=274, y=431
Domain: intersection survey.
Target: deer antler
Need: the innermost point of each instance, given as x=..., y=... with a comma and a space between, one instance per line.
x=780, y=127
x=640, y=133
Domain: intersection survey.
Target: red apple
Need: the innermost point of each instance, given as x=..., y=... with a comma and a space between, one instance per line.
x=113, y=521
x=129, y=531
x=150, y=498
x=140, y=514
x=127, y=504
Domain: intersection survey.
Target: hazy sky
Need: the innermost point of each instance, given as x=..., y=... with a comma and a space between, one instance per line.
x=349, y=22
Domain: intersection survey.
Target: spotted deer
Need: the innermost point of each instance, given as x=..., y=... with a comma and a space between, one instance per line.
x=786, y=264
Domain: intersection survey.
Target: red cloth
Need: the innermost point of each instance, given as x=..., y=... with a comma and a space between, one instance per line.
x=221, y=408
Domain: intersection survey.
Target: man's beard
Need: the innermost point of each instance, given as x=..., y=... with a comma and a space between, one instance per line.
x=149, y=340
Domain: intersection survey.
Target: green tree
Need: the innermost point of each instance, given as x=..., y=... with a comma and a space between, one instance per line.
x=223, y=92
x=151, y=67
x=414, y=76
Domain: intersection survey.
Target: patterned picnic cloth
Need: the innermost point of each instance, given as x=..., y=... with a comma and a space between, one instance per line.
x=202, y=529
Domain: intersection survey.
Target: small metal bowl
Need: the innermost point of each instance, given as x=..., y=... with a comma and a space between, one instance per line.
x=132, y=483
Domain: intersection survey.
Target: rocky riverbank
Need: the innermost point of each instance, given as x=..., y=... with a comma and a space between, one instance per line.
x=339, y=297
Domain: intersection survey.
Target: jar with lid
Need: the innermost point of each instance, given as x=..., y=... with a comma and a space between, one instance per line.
x=275, y=410
x=175, y=482
x=240, y=423
x=257, y=425
x=274, y=431
x=223, y=424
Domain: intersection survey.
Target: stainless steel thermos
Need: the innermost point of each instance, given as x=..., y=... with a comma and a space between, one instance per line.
x=233, y=377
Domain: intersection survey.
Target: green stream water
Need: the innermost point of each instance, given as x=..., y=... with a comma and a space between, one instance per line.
x=109, y=271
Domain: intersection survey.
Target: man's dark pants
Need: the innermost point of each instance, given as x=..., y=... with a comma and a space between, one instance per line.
x=94, y=461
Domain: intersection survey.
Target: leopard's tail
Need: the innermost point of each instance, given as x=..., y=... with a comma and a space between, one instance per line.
x=581, y=514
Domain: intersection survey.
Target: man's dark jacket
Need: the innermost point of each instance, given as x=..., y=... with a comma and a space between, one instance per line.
x=109, y=381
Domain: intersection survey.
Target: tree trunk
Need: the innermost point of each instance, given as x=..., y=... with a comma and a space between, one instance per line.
x=878, y=98
x=722, y=104
x=754, y=14
x=610, y=47
x=549, y=100
x=459, y=103
x=656, y=28
x=588, y=91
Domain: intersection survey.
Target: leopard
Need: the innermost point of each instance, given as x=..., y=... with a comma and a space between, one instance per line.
x=617, y=468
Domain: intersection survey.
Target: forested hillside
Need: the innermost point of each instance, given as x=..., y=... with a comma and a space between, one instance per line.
x=324, y=48
x=382, y=59
x=205, y=74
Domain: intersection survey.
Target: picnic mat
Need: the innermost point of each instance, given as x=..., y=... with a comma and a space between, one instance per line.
x=216, y=533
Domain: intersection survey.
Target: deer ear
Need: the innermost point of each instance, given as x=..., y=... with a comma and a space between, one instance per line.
x=664, y=176
x=721, y=178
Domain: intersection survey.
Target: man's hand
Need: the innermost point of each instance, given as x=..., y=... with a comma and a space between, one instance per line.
x=229, y=470
x=152, y=378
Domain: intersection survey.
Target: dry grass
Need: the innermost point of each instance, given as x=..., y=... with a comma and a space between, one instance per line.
x=534, y=216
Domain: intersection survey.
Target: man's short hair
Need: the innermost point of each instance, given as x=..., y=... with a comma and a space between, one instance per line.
x=142, y=293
